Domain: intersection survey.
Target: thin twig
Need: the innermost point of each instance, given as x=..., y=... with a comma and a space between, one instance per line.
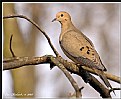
x=11, y=46
x=114, y=89
x=37, y=26
x=108, y=75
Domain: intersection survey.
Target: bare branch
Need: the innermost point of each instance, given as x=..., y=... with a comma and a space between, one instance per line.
x=36, y=25
x=27, y=61
x=22, y=61
x=8, y=63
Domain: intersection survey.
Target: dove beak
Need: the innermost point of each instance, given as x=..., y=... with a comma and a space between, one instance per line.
x=55, y=19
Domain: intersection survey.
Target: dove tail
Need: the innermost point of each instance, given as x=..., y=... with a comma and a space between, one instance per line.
x=105, y=80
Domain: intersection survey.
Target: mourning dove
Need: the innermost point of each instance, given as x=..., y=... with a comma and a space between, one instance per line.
x=78, y=47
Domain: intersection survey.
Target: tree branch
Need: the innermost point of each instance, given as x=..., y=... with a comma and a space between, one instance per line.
x=17, y=62
x=8, y=63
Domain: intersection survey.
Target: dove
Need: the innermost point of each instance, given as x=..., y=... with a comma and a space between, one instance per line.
x=78, y=47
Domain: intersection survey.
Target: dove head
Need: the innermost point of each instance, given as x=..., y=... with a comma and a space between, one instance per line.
x=62, y=17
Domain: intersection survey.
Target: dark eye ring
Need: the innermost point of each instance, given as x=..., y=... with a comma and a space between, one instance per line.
x=61, y=15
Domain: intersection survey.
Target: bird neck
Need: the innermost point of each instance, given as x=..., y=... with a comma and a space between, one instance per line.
x=65, y=26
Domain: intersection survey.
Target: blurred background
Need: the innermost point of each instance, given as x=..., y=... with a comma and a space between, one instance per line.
x=99, y=21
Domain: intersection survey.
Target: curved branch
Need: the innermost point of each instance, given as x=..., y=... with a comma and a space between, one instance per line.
x=37, y=26
x=11, y=46
x=108, y=75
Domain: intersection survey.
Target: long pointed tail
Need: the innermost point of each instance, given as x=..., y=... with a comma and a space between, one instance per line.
x=104, y=78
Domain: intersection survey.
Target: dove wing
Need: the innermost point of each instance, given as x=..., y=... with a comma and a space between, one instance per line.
x=80, y=49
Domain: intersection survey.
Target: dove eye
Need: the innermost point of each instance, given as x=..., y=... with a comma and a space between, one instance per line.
x=61, y=15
